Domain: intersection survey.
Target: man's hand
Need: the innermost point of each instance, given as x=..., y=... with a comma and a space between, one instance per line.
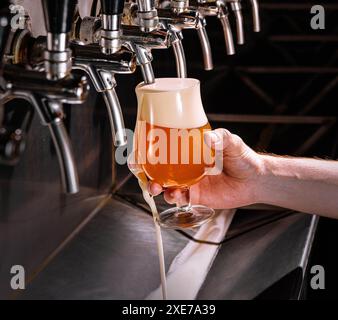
x=234, y=187
x=300, y=184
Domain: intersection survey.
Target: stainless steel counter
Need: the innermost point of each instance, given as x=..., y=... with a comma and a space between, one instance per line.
x=115, y=257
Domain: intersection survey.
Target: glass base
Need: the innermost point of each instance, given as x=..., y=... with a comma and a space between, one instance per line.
x=185, y=217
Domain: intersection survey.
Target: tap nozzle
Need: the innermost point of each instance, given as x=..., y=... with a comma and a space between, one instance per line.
x=223, y=16
x=255, y=16
x=236, y=7
x=176, y=43
x=144, y=59
x=142, y=43
x=205, y=44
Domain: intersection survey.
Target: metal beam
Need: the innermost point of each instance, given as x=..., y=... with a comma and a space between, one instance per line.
x=287, y=70
x=278, y=119
x=303, y=38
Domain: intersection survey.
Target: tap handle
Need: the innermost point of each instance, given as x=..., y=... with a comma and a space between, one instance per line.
x=58, y=15
x=58, y=19
x=255, y=16
x=110, y=39
x=112, y=7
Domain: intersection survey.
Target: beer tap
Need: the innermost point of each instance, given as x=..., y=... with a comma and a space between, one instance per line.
x=255, y=15
x=58, y=20
x=189, y=19
x=171, y=37
x=206, y=8
x=174, y=22
x=87, y=31
x=142, y=43
x=236, y=7
x=101, y=70
x=49, y=86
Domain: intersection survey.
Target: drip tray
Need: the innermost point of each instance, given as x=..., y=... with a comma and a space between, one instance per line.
x=245, y=219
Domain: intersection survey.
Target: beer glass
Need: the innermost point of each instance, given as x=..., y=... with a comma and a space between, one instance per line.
x=169, y=144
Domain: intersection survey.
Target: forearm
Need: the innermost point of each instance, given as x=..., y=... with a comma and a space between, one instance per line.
x=306, y=185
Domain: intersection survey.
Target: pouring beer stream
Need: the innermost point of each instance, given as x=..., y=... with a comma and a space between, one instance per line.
x=169, y=149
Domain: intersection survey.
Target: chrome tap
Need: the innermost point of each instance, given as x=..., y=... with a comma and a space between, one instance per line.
x=87, y=30
x=48, y=85
x=188, y=19
x=101, y=70
x=255, y=16
x=219, y=9
x=142, y=43
x=172, y=37
x=236, y=7
x=101, y=67
x=174, y=22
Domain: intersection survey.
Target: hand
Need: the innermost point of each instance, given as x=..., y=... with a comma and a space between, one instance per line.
x=234, y=187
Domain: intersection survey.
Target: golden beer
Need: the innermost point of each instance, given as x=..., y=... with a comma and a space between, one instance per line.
x=169, y=143
x=183, y=163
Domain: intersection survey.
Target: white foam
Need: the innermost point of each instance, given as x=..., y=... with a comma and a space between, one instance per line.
x=171, y=103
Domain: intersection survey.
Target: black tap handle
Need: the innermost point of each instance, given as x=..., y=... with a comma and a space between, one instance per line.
x=112, y=7
x=58, y=15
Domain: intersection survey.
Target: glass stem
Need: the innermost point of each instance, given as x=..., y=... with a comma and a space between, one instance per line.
x=185, y=201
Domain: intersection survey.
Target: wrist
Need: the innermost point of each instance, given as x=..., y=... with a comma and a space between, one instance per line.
x=263, y=188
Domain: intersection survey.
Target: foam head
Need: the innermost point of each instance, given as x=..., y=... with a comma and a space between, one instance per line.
x=171, y=103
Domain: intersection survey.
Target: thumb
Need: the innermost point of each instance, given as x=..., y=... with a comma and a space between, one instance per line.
x=223, y=140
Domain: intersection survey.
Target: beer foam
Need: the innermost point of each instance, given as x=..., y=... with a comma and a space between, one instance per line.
x=171, y=103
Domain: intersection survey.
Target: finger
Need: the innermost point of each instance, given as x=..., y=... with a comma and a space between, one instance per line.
x=154, y=188
x=176, y=196
x=223, y=140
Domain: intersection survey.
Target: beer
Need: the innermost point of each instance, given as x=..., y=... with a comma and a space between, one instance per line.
x=169, y=140
x=169, y=148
